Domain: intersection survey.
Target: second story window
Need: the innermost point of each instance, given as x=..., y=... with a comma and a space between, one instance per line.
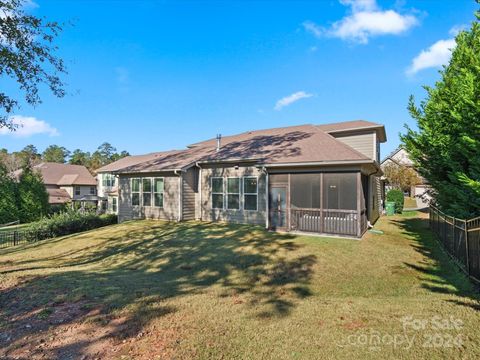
x=77, y=190
x=93, y=190
x=108, y=180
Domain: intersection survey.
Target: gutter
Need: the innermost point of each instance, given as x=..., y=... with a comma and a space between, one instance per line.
x=321, y=163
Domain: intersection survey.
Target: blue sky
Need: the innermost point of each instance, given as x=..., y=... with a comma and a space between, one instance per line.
x=156, y=75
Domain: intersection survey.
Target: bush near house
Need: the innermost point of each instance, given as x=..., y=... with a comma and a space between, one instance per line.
x=396, y=196
x=66, y=223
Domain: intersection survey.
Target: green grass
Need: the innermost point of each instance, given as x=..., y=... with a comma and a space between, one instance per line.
x=150, y=289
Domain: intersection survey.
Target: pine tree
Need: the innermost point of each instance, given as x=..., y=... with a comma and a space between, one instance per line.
x=446, y=147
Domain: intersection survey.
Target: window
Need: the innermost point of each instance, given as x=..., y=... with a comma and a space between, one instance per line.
x=305, y=191
x=93, y=190
x=233, y=193
x=114, y=204
x=250, y=193
x=147, y=192
x=108, y=180
x=217, y=193
x=340, y=191
x=136, y=192
x=158, y=186
x=77, y=190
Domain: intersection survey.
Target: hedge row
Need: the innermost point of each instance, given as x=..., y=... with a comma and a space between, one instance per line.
x=397, y=197
x=66, y=223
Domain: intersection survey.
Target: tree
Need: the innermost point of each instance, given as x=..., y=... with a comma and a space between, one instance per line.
x=80, y=157
x=32, y=195
x=28, y=155
x=8, y=194
x=55, y=153
x=446, y=146
x=400, y=177
x=27, y=55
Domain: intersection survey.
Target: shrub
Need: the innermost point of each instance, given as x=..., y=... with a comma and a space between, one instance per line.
x=66, y=223
x=396, y=196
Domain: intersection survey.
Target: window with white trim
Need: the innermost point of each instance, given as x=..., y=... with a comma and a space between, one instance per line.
x=250, y=193
x=93, y=190
x=233, y=193
x=158, y=186
x=136, y=192
x=147, y=192
x=77, y=190
x=108, y=180
x=217, y=193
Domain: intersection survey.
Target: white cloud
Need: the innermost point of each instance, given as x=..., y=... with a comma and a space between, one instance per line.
x=435, y=56
x=365, y=21
x=28, y=126
x=290, y=99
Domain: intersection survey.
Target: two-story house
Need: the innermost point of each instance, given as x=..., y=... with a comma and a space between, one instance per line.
x=307, y=178
x=67, y=183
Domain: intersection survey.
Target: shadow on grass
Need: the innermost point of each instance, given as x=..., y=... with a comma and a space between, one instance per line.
x=439, y=273
x=137, y=268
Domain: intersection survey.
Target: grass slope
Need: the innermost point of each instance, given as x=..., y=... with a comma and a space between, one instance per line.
x=146, y=290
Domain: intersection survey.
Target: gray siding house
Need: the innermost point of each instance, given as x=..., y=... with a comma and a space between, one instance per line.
x=309, y=178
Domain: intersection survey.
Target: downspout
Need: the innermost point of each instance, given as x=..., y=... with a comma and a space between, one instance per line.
x=180, y=188
x=200, y=190
x=267, y=215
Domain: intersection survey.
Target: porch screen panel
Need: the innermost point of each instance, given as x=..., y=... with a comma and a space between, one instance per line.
x=305, y=191
x=340, y=191
x=278, y=178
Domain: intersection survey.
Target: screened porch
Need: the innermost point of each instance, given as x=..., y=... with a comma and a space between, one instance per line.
x=319, y=202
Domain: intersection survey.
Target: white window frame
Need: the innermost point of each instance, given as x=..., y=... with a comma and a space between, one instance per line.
x=217, y=193
x=114, y=204
x=154, y=192
x=245, y=193
x=239, y=192
x=136, y=192
x=94, y=188
x=76, y=187
x=151, y=191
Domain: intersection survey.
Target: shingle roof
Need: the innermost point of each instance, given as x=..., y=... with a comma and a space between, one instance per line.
x=65, y=174
x=58, y=196
x=294, y=144
x=131, y=160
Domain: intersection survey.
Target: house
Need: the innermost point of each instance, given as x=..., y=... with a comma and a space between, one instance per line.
x=107, y=180
x=66, y=183
x=421, y=190
x=308, y=178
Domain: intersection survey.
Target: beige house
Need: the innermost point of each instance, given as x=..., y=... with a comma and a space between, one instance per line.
x=308, y=178
x=67, y=183
x=420, y=191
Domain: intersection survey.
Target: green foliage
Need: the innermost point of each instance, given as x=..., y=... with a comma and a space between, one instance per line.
x=396, y=196
x=32, y=198
x=68, y=222
x=8, y=192
x=27, y=56
x=55, y=153
x=446, y=146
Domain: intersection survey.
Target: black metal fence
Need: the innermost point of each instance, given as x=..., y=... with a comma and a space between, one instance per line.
x=460, y=238
x=13, y=238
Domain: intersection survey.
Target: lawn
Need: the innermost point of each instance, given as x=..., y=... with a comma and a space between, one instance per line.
x=155, y=290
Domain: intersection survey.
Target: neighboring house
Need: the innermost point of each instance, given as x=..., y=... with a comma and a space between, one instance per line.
x=66, y=183
x=420, y=191
x=313, y=178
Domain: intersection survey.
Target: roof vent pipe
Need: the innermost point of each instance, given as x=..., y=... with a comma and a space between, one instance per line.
x=219, y=139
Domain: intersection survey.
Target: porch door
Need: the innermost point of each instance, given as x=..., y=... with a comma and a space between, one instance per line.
x=278, y=207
